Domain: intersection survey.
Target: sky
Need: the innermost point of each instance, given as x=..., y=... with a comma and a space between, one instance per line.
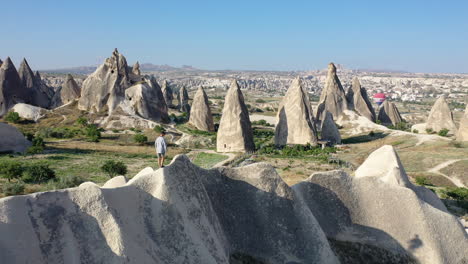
x=414, y=36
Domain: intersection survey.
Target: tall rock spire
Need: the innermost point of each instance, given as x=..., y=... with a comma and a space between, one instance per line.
x=441, y=117
x=33, y=85
x=183, y=100
x=69, y=92
x=462, y=134
x=389, y=114
x=333, y=97
x=200, y=114
x=295, y=124
x=168, y=94
x=11, y=89
x=136, y=69
x=359, y=101
x=235, y=130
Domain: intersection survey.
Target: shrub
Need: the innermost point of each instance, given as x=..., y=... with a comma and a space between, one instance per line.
x=429, y=131
x=35, y=150
x=456, y=144
x=421, y=180
x=10, y=169
x=114, y=168
x=158, y=129
x=38, y=142
x=140, y=139
x=115, y=130
x=260, y=101
x=371, y=134
x=403, y=126
x=92, y=132
x=458, y=193
x=443, y=132
x=82, y=121
x=68, y=181
x=38, y=173
x=13, y=188
x=415, y=131
x=378, y=122
x=12, y=117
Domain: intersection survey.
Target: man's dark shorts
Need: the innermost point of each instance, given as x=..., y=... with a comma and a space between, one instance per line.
x=161, y=155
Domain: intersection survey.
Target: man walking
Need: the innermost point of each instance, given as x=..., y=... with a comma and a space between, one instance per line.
x=160, y=145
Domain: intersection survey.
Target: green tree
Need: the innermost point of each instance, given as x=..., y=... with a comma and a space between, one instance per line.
x=38, y=173
x=114, y=168
x=140, y=139
x=82, y=121
x=12, y=117
x=10, y=169
x=93, y=133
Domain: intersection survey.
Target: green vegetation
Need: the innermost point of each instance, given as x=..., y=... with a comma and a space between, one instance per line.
x=421, y=180
x=262, y=137
x=159, y=129
x=260, y=101
x=315, y=152
x=38, y=173
x=114, y=168
x=140, y=139
x=13, y=188
x=262, y=122
x=458, y=193
x=82, y=121
x=12, y=117
x=68, y=181
x=92, y=133
x=403, y=126
x=415, y=131
x=10, y=169
x=208, y=160
x=443, y=132
x=430, y=131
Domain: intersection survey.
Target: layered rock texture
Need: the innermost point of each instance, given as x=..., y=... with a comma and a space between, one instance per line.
x=295, y=124
x=33, y=85
x=329, y=130
x=183, y=99
x=11, y=89
x=441, y=117
x=11, y=141
x=359, y=101
x=146, y=100
x=69, y=92
x=185, y=214
x=104, y=89
x=235, y=130
x=333, y=97
x=168, y=94
x=389, y=114
x=200, y=114
x=462, y=134
x=136, y=69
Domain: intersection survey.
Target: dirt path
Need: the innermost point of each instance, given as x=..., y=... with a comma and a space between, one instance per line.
x=437, y=169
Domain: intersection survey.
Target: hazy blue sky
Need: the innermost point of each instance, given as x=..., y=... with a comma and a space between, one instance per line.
x=418, y=36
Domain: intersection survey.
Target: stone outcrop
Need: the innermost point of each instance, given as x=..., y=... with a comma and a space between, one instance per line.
x=389, y=114
x=333, y=97
x=295, y=124
x=168, y=94
x=382, y=208
x=462, y=134
x=29, y=112
x=33, y=86
x=235, y=130
x=69, y=92
x=11, y=89
x=358, y=100
x=441, y=117
x=329, y=131
x=146, y=100
x=104, y=89
x=183, y=99
x=11, y=141
x=136, y=69
x=200, y=114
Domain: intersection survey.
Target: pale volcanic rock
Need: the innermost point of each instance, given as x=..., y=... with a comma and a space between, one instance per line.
x=136, y=69
x=183, y=99
x=33, y=86
x=168, y=94
x=389, y=114
x=11, y=140
x=11, y=89
x=29, y=112
x=295, y=124
x=358, y=100
x=146, y=100
x=235, y=130
x=441, y=117
x=462, y=134
x=200, y=113
x=69, y=91
x=105, y=88
x=115, y=182
x=379, y=206
x=333, y=97
x=329, y=130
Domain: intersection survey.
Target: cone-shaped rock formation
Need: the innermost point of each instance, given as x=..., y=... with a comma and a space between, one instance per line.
x=389, y=114
x=359, y=101
x=105, y=88
x=11, y=89
x=146, y=100
x=136, y=69
x=441, y=117
x=33, y=86
x=67, y=93
x=329, y=131
x=462, y=134
x=183, y=98
x=235, y=130
x=200, y=114
x=333, y=97
x=295, y=124
x=168, y=94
